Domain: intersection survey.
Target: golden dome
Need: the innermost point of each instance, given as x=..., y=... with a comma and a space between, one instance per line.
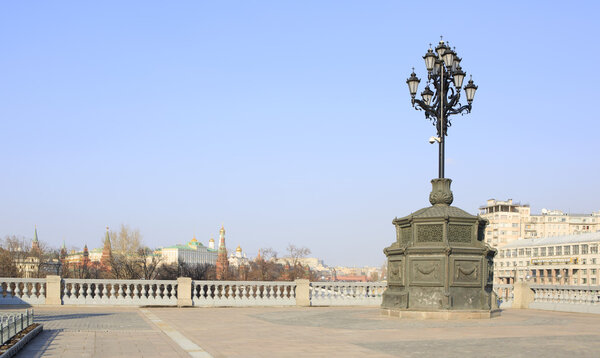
x=239, y=249
x=211, y=240
x=194, y=239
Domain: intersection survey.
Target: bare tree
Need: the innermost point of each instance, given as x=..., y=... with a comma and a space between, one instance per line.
x=149, y=262
x=125, y=262
x=295, y=254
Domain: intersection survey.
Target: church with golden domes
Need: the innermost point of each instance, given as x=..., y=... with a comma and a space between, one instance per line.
x=238, y=258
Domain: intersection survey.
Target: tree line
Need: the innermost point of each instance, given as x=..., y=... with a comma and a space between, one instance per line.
x=131, y=259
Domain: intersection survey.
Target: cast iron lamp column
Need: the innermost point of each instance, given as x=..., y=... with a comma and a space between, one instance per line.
x=446, y=76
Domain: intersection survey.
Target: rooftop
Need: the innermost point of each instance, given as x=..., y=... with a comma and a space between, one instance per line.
x=555, y=240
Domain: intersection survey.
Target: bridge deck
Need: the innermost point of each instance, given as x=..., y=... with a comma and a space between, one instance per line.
x=304, y=332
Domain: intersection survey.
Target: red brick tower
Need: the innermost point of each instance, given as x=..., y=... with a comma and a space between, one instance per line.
x=106, y=252
x=35, y=244
x=222, y=261
x=86, y=257
x=63, y=253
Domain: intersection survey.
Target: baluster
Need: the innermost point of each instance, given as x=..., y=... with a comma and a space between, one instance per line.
x=151, y=293
x=97, y=292
x=34, y=290
x=206, y=291
x=144, y=292
x=195, y=292
x=17, y=290
x=136, y=292
x=119, y=291
x=42, y=291
x=88, y=292
x=127, y=291
x=229, y=291
x=81, y=295
x=66, y=292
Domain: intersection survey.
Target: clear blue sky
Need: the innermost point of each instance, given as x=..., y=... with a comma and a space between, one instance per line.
x=289, y=122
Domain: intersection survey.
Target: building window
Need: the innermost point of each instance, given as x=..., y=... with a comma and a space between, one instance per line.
x=575, y=249
x=584, y=249
x=559, y=250
x=521, y=252
x=583, y=281
x=567, y=250
x=550, y=251
x=528, y=252
x=593, y=280
x=574, y=281
x=543, y=251
x=593, y=249
x=535, y=252
x=514, y=252
x=593, y=271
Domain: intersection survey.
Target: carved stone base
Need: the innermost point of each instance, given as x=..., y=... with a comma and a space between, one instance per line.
x=440, y=315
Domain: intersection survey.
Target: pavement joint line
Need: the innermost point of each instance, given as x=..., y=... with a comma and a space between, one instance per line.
x=182, y=341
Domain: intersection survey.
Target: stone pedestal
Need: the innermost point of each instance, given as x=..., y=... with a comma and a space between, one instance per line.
x=439, y=261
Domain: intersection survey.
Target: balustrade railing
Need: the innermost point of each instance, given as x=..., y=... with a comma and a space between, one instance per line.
x=571, y=295
x=22, y=291
x=243, y=293
x=119, y=292
x=14, y=322
x=346, y=293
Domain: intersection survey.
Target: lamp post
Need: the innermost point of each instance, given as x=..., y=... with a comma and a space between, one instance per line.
x=446, y=76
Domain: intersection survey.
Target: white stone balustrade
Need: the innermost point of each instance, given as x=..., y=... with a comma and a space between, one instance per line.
x=119, y=292
x=243, y=293
x=22, y=291
x=346, y=293
x=566, y=298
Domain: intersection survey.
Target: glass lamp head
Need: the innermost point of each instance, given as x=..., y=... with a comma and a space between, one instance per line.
x=413, y=84
x=470, y=89
x=427, y=94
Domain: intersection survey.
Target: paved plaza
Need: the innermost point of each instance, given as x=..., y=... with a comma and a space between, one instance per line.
x=305, y=332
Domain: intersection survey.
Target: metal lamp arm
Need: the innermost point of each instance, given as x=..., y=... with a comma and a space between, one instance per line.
x=429, y=110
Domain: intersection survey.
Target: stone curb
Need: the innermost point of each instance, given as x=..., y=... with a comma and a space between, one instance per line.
x=20, y=344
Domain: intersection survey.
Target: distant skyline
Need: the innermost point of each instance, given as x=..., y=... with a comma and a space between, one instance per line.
x=287, y=122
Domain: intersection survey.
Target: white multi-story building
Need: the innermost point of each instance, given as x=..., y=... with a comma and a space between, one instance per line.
x=560, y=260
x=509, y=221
x=192, y=253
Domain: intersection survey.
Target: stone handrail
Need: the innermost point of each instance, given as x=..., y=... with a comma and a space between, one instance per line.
x=20, y=291
x=566, y=298
x=119, y=292
x=346, y=293
x=243, y=293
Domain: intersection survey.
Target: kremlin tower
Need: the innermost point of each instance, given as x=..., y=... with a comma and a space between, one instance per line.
x=106, y=252
x=35, y=245
x=63, y=253
x=86, y=256
x=222, y=261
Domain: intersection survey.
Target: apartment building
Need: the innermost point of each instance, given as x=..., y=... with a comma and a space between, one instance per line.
x=510, y=221
x=560, y=260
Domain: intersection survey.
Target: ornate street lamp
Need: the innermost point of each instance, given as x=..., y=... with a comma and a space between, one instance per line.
x=446, y=76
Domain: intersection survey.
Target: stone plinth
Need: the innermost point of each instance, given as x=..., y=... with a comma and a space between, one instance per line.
x=439, y=261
